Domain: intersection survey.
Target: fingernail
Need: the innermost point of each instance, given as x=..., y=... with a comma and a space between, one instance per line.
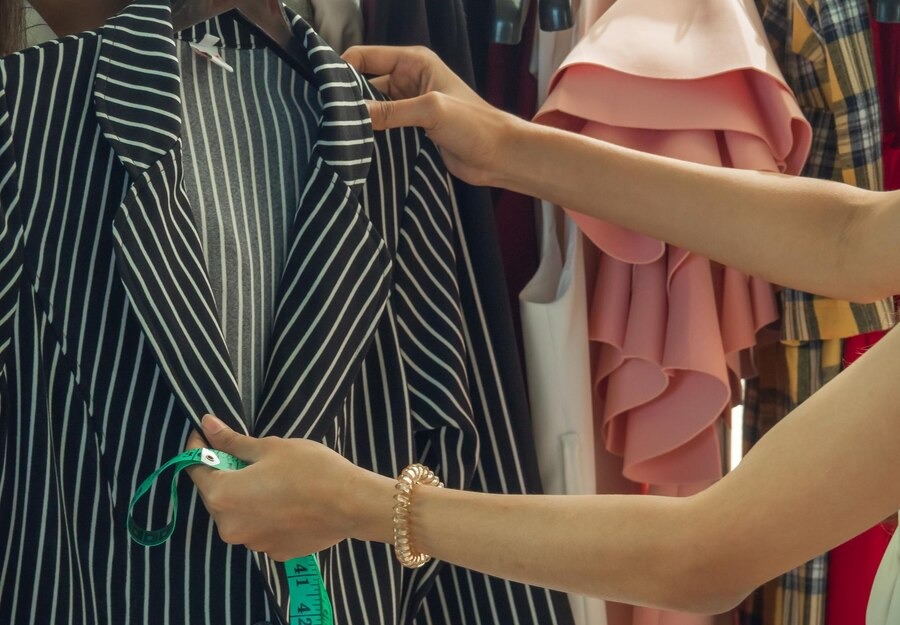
x=212, y=425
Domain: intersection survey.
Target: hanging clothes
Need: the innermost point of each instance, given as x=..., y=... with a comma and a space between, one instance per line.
x=886, y=43
x=512, y=87
x=824, y=49
x=884, y=604
x=787, y=370
x=381, y=356
x=660, y=396
x=553, y=308
x=441, y=26
x=852, y=566
x=339, y=22
x=674, y=451
x=507, y=463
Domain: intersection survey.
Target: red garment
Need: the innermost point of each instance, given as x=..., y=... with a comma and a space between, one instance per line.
x=852, y=566
x=886, y=41
x=512, y=87
x=851, y=571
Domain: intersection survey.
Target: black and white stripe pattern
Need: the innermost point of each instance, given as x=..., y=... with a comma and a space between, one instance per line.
x=247, y=135
x=112, y=346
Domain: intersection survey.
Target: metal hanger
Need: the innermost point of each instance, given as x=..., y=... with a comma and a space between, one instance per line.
x=509, y=18
x=266, y=16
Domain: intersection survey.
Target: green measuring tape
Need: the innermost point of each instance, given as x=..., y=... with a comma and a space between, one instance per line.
x=310, y=604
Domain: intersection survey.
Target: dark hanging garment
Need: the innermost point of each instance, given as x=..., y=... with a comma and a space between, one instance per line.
x=886, y=39
x=507, y=461
x=501, y=74
x=511, y=86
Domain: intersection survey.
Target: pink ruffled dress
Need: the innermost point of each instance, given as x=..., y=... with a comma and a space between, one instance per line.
x=694, y=81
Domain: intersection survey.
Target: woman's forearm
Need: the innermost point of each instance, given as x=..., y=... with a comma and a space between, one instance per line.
x=825, y=473
x=630, y=548
x=822, y=475
x=825, y=238
x=627, y=547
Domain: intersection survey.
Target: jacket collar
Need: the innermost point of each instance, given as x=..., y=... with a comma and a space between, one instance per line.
x=139, y=44
x=137, y=99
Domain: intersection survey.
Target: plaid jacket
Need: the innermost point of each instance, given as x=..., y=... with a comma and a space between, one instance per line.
x=824, y=48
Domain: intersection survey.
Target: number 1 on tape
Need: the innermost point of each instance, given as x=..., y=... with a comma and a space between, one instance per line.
x=310, y=604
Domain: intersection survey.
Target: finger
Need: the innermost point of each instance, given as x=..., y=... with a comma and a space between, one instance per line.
x=377, y=60
x=400, y=113
x=223, y=438
x=195, y=441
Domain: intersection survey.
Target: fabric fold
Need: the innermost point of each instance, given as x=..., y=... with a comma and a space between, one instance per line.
x=671, y=328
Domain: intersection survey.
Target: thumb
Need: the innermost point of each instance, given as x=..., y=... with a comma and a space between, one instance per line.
x=223, y=438
x=419, y=111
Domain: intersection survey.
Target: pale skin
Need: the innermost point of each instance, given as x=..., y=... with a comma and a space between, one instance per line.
x=826, y=472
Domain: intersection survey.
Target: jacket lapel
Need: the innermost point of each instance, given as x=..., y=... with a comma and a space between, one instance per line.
x=158, y=251
x=337, y=274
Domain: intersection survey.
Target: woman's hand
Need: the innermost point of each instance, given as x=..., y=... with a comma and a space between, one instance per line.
x=296, y=497
x=474, y=137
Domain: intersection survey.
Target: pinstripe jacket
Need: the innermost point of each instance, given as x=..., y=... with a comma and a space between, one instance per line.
x=111, y=346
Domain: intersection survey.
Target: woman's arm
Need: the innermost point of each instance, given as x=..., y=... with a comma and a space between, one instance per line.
x=828, y=471
x=817, y=236
x=825, y=473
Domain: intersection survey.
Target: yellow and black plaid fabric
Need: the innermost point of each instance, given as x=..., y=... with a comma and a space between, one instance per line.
x=789, y=372
x=824, y=49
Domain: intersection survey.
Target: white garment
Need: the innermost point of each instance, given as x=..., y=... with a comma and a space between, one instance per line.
x=554, y=318
x=553, y=307
x=884, y=601
x=36, y=29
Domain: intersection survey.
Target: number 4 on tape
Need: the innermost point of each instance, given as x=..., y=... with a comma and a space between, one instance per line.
x=310, y=604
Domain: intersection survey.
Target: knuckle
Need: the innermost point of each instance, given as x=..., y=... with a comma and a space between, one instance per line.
x=213, y=504
x=436, y=101
x=422, y=59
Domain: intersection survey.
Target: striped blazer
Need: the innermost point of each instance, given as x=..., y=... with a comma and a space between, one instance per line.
x=111, y=345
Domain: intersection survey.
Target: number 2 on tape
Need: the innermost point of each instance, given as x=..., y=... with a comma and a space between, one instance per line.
x=310, y=604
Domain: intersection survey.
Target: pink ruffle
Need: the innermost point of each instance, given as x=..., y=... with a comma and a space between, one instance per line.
x=693, y=81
